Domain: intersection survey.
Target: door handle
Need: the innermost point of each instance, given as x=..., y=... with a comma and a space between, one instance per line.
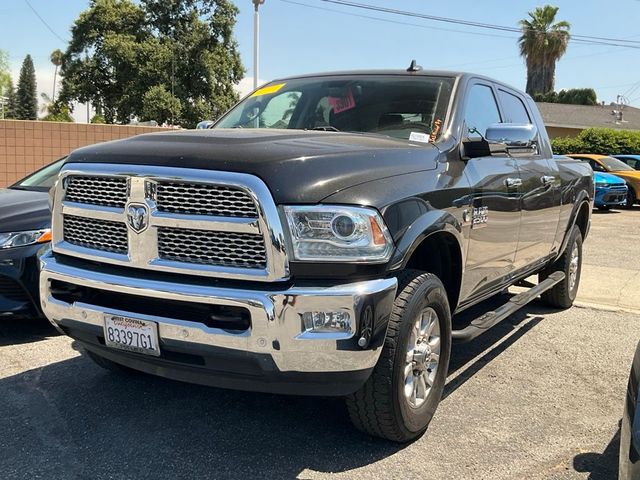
x=513, y=182
x=547, y=179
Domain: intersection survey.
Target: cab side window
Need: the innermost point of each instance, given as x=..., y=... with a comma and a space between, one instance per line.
x=481, y=111
x=596, y=167
x=513, y=108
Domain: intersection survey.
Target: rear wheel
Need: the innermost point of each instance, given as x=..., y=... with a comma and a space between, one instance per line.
x=401, y=396
x=570, y=262
x=631, y=197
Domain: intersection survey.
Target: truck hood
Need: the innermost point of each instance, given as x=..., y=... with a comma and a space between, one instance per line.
x=298, y=166
x=23, y=210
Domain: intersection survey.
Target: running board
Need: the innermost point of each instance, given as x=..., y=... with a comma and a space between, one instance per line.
x=484, y=322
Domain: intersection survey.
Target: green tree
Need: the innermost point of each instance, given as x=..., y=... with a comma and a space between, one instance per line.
x=5, y=74
x=58, y=112
x=187, y=46
x=56, y=58
x=10, y=107
x=26, y=98
x=542, y=44
x=158, y=104
x=573, y=96
x=113, y=31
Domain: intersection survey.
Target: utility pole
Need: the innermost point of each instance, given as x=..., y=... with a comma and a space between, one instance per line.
x=256, y=40
x=86, y=60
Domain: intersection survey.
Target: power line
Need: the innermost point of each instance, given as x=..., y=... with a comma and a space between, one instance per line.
x=397, y=22
x=44, y=22
x=575, y=38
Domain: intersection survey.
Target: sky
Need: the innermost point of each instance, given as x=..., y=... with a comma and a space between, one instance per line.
x=303, y=36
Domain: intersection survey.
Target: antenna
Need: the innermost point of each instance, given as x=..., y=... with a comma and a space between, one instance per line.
x=414, y=67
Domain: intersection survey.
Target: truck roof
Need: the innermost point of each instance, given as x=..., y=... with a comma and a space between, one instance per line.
x=423, y=72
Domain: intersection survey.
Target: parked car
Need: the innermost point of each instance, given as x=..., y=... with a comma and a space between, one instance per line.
x=632, y=160
x=318, y=239
x=611, y=191
x=25, y=222
x=605, y=163
x=629, y=466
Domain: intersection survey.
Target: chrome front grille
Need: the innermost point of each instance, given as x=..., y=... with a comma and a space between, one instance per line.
x=212, y=248
x=96, y=234
x=199, y=222
x=204, y=199
x=107, y=191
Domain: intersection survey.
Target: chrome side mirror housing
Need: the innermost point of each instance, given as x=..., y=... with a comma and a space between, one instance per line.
x=512, y=138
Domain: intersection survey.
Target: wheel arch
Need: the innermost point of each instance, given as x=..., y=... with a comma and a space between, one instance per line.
x=434, y=247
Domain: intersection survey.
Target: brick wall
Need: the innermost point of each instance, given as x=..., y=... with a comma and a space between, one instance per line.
x=26, y=146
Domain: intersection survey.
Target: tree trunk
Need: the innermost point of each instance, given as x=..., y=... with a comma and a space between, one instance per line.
x=55, y=74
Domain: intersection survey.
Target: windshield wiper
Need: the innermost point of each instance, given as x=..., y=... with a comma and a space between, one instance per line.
x=326, y=128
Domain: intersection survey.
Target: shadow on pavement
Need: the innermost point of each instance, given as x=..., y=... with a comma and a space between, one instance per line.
x=19, y=330
x=73, y=420
x=600, y=466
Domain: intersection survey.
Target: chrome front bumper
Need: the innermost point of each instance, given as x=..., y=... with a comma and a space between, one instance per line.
x=276, y=328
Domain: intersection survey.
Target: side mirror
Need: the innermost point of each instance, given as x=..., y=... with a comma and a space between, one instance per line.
x=512, y=138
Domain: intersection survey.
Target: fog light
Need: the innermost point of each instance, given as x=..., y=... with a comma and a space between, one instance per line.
x=327, y=322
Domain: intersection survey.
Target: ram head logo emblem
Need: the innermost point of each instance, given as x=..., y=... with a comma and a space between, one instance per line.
x=137, y=217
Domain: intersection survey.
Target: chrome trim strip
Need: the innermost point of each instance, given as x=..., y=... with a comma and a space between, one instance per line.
x=143, y=246
x=276, y=317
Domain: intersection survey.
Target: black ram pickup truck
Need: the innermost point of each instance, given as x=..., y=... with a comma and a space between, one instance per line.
x=318, y=239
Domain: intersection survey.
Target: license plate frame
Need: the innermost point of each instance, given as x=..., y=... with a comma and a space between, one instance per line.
x=143, y=338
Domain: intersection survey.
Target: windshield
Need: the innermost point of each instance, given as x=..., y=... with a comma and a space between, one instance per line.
x=42, y=180
x=392, y=105
x=614, y=165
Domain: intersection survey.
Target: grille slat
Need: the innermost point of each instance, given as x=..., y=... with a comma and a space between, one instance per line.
x=244, y=250
x=12, y=290
x=93, y=190
x=204, y=199
x=97, y=234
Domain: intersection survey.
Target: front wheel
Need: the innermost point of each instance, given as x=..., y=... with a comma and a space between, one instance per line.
x=570, y=262
x=401, y=396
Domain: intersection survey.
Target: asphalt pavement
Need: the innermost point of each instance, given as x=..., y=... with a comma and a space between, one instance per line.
x=539, y=396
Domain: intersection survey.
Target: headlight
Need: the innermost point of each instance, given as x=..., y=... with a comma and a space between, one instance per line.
x=601, y=184
x=338, y=233
x=22, y=239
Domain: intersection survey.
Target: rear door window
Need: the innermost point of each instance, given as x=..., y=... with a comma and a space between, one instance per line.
x=513, y=108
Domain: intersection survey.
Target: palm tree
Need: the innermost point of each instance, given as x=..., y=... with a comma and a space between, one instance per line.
x=542, y=44
x=56, y=59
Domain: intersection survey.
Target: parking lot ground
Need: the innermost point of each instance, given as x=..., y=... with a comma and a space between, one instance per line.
x=611, y=267
x=539, y=396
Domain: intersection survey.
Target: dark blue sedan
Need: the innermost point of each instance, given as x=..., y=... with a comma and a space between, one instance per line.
x=25, y=224
x=632, y=160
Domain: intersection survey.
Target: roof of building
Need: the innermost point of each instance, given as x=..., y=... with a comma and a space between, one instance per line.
x=587, y=116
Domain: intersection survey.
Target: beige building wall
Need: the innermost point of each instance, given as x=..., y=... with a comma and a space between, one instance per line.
x=26, y=146
x=555, y=132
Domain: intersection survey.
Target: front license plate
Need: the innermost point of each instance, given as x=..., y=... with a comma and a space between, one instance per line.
x=131, y=334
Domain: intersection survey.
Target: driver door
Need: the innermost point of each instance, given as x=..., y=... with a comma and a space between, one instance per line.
x=494, y=212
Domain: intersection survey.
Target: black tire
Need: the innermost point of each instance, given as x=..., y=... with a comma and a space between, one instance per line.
x=110, y=365
x=631, y=197
x=380, y=407
x=564, y=293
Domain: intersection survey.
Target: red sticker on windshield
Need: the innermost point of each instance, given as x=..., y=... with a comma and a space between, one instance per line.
x=340, y=104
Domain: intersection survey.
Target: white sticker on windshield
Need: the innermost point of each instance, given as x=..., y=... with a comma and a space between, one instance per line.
x=419, y=137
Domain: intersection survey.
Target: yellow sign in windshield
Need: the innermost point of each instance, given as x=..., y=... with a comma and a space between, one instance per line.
x=268, y=89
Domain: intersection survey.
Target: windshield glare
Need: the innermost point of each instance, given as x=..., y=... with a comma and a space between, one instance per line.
x=43, y=179
x=614, y=165
x=389, y=105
